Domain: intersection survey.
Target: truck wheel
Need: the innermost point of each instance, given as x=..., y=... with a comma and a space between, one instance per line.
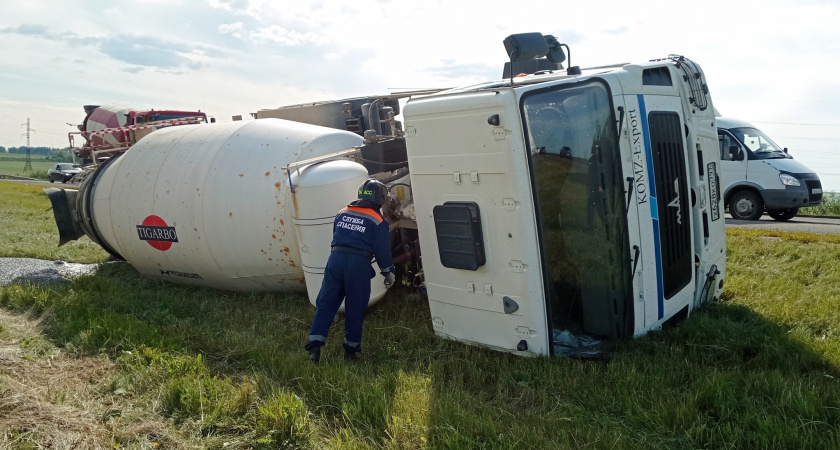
x=782, y=214
x=746, y=205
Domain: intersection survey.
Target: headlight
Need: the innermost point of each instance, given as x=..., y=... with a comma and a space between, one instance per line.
x=788, y=180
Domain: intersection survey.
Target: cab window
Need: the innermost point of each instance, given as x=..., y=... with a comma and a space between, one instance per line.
x=726, y=143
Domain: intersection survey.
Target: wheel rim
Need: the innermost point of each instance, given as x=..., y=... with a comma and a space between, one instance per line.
x=744, y=207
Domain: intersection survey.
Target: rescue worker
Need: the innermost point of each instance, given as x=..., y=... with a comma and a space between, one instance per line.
x=359, y=233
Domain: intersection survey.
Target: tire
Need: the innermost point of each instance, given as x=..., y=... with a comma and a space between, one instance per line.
x=782, y=214
x=51, y=180
x=746, y=205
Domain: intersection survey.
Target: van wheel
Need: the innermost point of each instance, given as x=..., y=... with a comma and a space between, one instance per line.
x=782, y=214
x=746, y=205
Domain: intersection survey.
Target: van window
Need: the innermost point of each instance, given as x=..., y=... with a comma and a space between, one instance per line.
x=726, y=141
x=761, y=146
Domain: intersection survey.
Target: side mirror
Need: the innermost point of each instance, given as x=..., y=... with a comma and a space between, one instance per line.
x=785, y=150
x=555, y=51
x=525, y=46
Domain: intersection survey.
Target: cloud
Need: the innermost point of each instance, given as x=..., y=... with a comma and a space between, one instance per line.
x=233, y=29
x=143, y=51
x=136, y=69
x=278, y=35
x=614, y=31
x=27, y=30
x=229, y=5
x=138, y=50
x=114, y=13
x=273, y=34
x=451, y=69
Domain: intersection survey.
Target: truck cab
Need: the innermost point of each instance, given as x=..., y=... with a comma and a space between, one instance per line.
x=567, y=209
x=759, y=175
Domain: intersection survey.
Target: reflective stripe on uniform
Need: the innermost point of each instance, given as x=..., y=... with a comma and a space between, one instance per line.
x=363, y=212
x=317, y=337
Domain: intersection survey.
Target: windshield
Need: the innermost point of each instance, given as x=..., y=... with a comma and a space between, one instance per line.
x=580, y=194
x=761, y=145
x=66, y=166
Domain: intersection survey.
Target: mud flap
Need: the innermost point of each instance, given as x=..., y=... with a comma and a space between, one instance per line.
x=62, y=201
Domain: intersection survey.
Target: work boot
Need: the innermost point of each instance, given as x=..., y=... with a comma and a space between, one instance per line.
x=315, y=355
x=351, y=356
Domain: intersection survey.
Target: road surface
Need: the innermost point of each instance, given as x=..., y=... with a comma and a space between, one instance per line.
x=821, y=225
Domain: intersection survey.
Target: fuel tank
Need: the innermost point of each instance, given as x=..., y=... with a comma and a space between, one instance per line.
x=320, y=190
x=209, y=204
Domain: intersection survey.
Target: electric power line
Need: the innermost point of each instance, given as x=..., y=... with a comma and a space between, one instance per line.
x=833, y=125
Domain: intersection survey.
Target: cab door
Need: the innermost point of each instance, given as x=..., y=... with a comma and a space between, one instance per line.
x=733, y=160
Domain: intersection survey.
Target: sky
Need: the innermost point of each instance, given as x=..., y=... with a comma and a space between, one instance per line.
x=773, y=63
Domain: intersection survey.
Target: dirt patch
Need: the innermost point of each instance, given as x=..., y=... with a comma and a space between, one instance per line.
x=50, y=398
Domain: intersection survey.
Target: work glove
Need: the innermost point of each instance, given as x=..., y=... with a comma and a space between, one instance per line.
x=389, y=279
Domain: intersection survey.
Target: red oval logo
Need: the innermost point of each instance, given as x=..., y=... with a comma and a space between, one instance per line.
x=157, y=233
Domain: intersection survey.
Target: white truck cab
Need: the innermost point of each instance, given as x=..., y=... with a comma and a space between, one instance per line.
x=758, y=175
x=559, y=207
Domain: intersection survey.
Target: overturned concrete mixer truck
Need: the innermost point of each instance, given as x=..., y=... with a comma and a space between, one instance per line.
x=564, y=202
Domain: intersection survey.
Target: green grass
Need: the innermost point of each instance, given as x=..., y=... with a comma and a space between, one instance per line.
x=8, y=156
x=830, y=206
x=39, y=167
x=757, y=370
x=29, y=229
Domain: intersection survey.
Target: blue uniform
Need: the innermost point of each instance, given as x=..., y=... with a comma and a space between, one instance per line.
x=359, y=233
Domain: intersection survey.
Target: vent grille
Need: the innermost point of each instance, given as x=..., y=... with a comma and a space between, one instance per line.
x=672, y=199
x=814, y=184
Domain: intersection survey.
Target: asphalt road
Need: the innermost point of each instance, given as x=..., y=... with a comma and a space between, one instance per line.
x=57, y=184
x=821, y=225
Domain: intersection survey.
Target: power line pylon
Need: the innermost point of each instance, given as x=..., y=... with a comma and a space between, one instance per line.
x=28, y=165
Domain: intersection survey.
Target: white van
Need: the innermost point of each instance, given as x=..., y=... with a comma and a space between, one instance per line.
x=758, y=175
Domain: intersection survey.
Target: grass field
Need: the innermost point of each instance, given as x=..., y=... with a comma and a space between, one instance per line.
x=29, y=230
x=830, y=206
x=4, y=155
x=39, y=166
x=180, y=367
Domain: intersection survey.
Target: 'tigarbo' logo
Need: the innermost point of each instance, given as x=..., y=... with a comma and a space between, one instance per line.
x=157, y=233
